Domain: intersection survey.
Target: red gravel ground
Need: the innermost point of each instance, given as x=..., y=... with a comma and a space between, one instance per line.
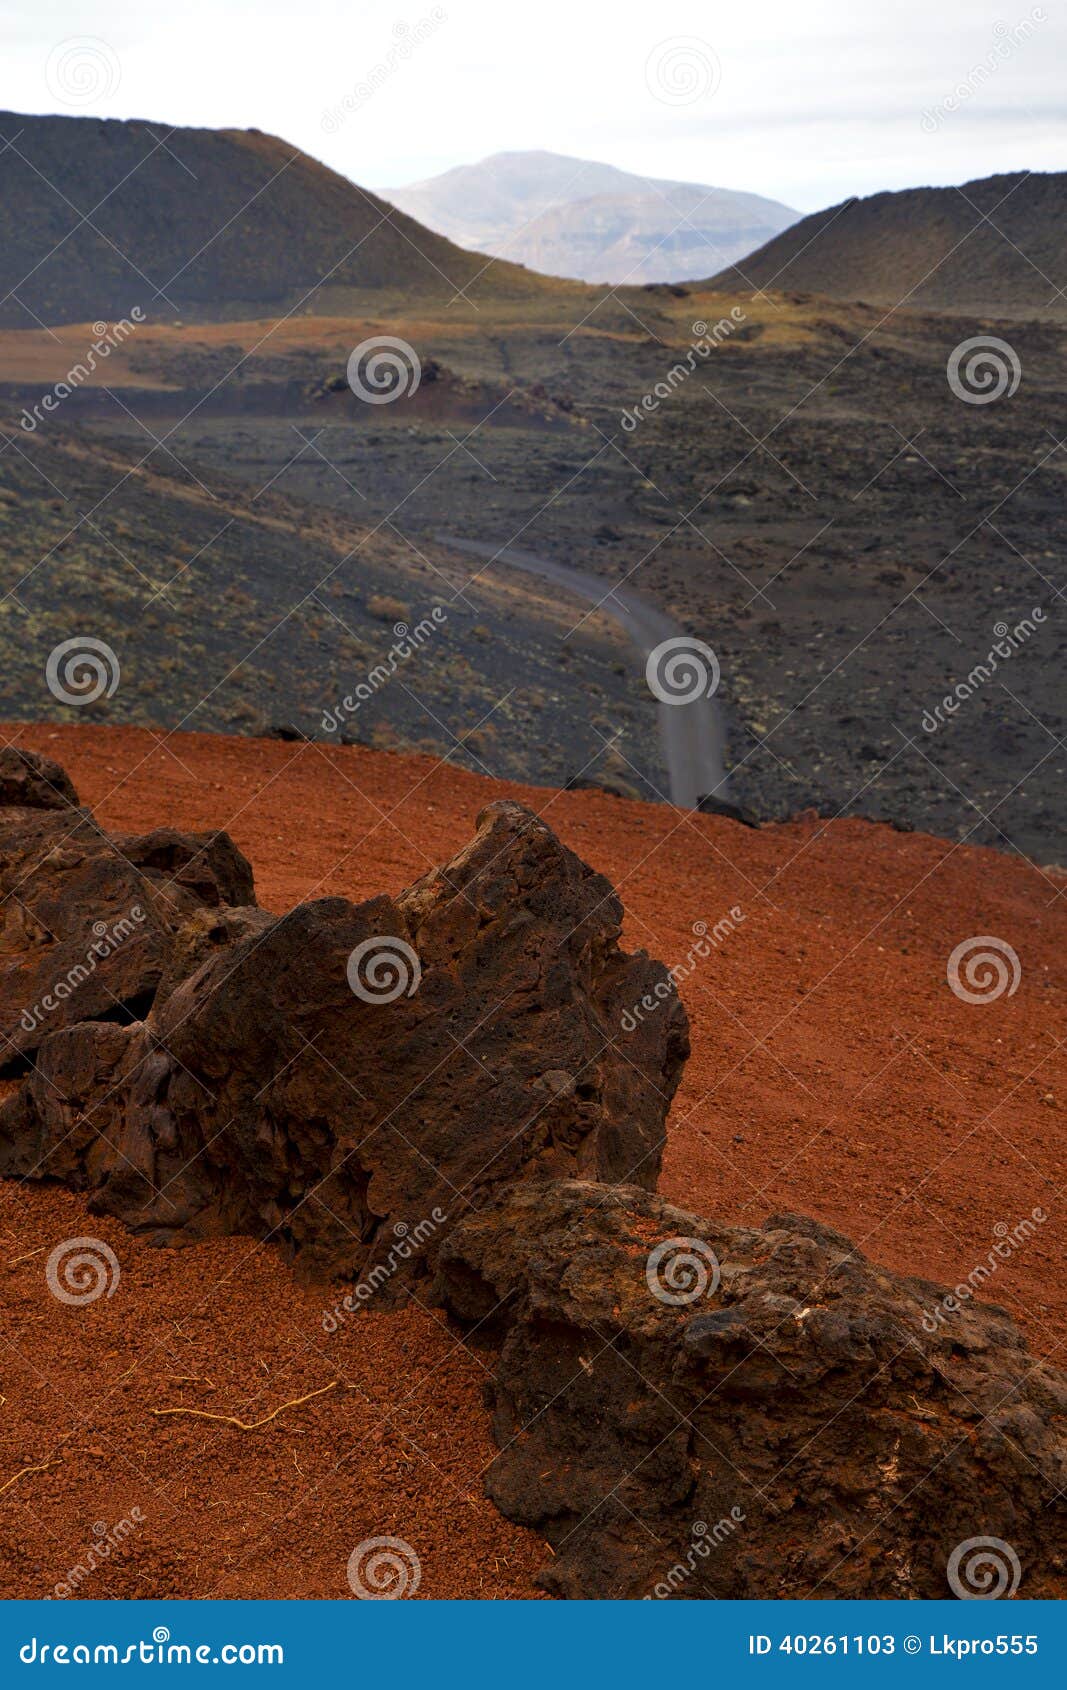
x=833, y=1072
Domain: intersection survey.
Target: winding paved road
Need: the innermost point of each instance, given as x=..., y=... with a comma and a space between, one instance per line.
x=691, y=734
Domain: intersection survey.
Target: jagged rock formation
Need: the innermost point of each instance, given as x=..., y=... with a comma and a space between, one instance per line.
x=683, y=1408
x=750, y=1413
x=88, y=920
x=29, y=781
x=344, y=1071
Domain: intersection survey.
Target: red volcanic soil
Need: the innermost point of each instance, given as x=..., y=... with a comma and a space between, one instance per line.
x=833, y=1072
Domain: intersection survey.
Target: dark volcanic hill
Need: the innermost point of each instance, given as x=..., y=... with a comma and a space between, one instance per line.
x=98, y=216
x=997, y=246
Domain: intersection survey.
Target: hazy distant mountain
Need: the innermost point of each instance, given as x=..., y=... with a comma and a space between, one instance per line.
x=574, y=217
x=96, y=217
x=998, y=245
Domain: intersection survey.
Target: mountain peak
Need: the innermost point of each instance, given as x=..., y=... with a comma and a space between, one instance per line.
x=576, y=217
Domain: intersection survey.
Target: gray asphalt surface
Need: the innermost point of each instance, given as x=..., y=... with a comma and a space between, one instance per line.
x=691, y=732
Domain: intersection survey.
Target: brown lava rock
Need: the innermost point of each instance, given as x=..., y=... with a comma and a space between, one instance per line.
x=88, y=920
x=336, y=1075
x=682, y=1408
x=787, y=1426
x=32, y=782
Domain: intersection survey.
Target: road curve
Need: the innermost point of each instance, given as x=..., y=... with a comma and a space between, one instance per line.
x=691, y=734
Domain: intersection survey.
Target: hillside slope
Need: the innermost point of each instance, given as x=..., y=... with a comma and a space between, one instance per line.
x=833, y=1073
x=576, y=217
x=248, y=611
x=97, y=217
x=998, y=245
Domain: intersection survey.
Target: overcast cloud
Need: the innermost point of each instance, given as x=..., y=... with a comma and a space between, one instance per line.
x=804, y=103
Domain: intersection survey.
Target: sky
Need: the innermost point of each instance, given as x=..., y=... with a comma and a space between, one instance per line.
x=804, y=103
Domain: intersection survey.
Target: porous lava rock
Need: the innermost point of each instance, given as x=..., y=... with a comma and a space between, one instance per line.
x=88, y=920
x=690, y=1409
x=340, y=1075
x=32, y=782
